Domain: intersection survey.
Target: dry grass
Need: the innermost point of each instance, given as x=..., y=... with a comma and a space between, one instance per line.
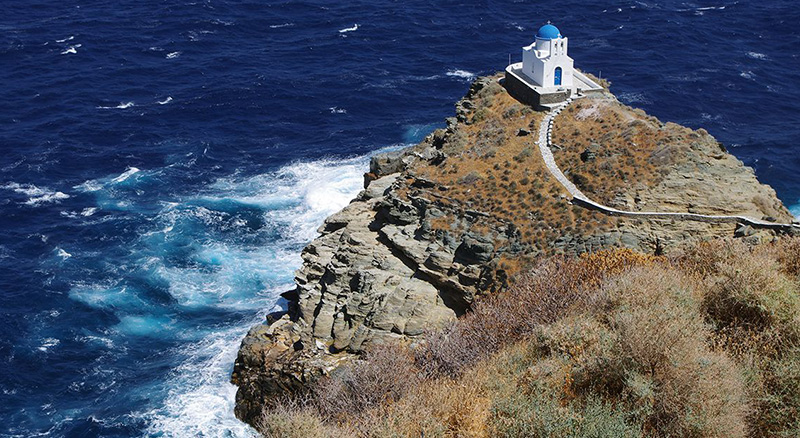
x=440, y=408
x=542, y=296
x=752, y=301
x=289, y=419
x=661, y=362
x=384, y=376
x=628, y=147
x=614, y=344
x=491, y=169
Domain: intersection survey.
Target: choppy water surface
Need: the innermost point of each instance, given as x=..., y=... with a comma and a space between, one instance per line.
x=163, y=164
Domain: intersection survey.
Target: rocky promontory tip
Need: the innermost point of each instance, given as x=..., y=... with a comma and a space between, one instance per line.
x=456, y=216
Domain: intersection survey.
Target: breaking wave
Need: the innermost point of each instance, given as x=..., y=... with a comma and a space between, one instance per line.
x=36, y=195
x=122, y=105
x=349, y=29
x=228, y=250
x=461, y=74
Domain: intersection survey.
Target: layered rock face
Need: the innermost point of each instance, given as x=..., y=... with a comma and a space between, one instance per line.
x=450, y=219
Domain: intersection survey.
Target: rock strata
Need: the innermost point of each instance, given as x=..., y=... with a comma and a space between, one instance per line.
x=450, y=219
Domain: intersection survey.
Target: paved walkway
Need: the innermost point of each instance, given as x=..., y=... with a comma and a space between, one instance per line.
x=545, y=141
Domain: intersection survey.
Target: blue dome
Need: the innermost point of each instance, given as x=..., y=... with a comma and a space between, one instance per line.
x=548, y=32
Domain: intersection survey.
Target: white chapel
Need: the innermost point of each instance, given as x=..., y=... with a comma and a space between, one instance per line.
x=546, y=60
x=546, y=75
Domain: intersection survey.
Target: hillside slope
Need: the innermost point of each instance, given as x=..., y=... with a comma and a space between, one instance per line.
x=458, y=215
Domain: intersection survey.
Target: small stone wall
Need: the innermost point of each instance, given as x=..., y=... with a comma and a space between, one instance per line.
x=527, y=95
x=578, y=198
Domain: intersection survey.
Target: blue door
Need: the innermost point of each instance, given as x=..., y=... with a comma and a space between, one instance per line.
x=558, y=76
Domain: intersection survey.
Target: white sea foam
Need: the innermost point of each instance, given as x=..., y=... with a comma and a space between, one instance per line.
x=37, y=195
x=296, y=198
x=47, y=198
x=70, y=38
x=756, y=55
x=225, y=276
x=633, y=97
x=122, y=105
x=89, y=186
x=278, y=26
x=709, y=117
x=63, y=254
x=25, y=189
x=239, y=274
x=795, y=209
x=165, y=101
x=747, y=74
x=95, y=185
x=335, y=110
x=104, y=341
x=48, y=343
x=201, y=399
x=462, y=74
x=86, y=212
x=172, y=55
x=71, y=49
x=349, y=29
x=105, y=297
x=307, y=192
x=129, y=172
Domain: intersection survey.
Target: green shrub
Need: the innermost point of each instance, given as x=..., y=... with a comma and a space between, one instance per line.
x=615, y=343
x=541, y=415
x=662, y=360
x=753, y=294
x=778, y=410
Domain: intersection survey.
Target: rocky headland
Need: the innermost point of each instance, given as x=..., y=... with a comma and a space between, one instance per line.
x=457, y=216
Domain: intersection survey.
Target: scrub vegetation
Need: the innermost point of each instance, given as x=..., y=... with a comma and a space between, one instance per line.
x=612, y=344
x=494, y=167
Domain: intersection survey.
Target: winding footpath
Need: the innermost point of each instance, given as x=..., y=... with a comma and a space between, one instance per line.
x=544, y=142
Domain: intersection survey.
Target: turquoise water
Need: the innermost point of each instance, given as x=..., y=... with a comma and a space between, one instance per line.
x=164, y=163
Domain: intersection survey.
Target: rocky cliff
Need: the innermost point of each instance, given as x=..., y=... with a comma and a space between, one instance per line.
x=455, y=217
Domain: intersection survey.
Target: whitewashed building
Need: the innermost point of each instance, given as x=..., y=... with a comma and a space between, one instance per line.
x=546, y=60
x=546, y=75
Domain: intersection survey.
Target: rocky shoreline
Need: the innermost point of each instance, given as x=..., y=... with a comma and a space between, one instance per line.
x=432, y=230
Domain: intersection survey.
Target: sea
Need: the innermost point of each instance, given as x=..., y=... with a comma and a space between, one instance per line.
x=164, y=162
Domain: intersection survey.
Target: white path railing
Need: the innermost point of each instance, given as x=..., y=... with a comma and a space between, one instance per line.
x=545, y=140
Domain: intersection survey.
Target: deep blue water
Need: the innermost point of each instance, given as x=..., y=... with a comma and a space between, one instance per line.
x=163, y=163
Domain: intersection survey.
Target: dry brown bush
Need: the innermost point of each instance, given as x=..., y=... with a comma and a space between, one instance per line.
x=751, y=297
x=438, y=408
x=289, y=419
x=384, y=375
x=611, y=344
x=704, y=259
x=662, y=348
x=752, y=293
x=788, y=255
x=548, y=292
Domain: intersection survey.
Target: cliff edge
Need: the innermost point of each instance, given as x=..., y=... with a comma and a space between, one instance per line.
x=458, y=215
